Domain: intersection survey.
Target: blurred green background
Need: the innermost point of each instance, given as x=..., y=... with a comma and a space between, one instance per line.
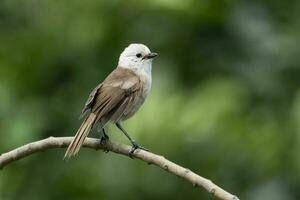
x=225, y=101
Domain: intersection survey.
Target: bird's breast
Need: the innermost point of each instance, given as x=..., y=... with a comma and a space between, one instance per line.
x=140, y=96
x=146, y=85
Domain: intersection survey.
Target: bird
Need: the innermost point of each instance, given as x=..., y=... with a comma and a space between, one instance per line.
x=118, y=97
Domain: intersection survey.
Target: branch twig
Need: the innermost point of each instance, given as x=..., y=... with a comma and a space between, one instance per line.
x=148, y=157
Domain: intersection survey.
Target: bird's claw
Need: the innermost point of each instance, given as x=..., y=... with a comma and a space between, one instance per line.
x=135, y=146
x=103, y=140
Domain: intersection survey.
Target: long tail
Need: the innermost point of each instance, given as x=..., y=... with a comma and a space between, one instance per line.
x=81, y=134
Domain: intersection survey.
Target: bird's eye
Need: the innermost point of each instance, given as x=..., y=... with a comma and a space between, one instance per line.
x=139, y=55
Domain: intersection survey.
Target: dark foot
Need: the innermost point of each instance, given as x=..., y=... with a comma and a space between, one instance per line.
x=135, y=146
x=103, y=140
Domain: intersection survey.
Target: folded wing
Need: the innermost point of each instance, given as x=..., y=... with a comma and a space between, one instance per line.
x=109, y=101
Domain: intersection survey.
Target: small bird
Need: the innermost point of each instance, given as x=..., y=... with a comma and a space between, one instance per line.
x=118, y=97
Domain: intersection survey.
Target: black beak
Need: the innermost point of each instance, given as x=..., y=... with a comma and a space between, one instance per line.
x=150, y=55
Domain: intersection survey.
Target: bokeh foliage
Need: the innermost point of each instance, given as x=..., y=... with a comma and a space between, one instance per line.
x=225, y=100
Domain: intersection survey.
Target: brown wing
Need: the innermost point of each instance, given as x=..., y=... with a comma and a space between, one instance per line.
x=90, y=101
x=109, y=101
x=114, y=96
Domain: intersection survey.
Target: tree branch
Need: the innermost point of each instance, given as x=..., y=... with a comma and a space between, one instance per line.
x=148, y=157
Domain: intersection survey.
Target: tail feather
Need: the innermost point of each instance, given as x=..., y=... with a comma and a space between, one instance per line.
x=81, y=134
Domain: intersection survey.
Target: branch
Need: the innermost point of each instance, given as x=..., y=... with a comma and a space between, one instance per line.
x=148, y=157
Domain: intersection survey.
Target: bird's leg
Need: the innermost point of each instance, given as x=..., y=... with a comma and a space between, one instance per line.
x=134, y=144
x=103, y=134
x=104, y=137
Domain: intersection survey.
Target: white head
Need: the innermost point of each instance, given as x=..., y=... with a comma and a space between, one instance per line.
x=137, y=57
